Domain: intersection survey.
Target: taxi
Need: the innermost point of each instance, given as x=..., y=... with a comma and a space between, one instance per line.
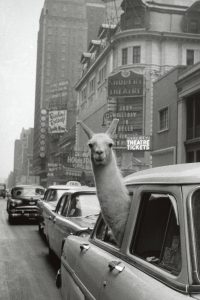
x=49, y=202
x=159, y=257
x=75, y=213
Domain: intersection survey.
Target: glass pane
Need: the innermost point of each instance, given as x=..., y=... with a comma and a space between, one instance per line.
x=157, y=236
x=196, y=223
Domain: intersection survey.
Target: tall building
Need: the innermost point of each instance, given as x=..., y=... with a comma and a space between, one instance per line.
x=121, y=65
x=23, y=156
x=64, y=31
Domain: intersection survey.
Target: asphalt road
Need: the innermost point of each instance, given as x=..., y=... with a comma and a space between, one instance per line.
x=26, y=271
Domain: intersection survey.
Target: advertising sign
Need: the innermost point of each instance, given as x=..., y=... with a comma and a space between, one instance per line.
x=125, y=83
x=57, y=121
x=139, y=143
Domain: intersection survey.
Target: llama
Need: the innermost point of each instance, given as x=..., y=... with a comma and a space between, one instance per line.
x=111, y=191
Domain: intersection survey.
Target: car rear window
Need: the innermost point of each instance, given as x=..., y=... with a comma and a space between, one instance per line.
x=84, y=205
x=26, y=192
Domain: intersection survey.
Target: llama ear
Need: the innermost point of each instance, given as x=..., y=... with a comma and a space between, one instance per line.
x=87, y=130
x=112, y=128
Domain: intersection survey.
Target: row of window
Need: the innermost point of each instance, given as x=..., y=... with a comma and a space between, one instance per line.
x=92, y=84
x=136, y=55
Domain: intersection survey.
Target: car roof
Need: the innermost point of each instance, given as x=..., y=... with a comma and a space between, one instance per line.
x=83, y=189
x=173, y=174
x=28, y=186
x=66, y=187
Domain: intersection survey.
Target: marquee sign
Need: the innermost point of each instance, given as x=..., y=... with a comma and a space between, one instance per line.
x=139, y=143
x=125, y=83
x=57, y=121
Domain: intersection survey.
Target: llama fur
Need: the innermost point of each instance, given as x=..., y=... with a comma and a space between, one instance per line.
x=111, y=190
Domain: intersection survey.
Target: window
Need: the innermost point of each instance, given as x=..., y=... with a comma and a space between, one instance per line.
x=60, y=205
x=136, y=54
x=102, y=74
x=92, y=86
x=193, y=26
x=164, y=119
x=124, y=56
x=84, y=94
x=157, y=235
x=190, y=57
x=104, y=233
x=196, y=224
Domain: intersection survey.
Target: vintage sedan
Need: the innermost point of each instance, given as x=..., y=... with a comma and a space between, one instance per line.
x=159, y=257
x=76, y=211
x=49, y=202
x=22, y=201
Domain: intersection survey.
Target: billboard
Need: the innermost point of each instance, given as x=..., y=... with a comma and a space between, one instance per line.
x=57, y=121
x=139, y=143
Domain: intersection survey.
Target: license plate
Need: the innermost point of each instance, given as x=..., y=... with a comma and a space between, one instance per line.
x=32, y=203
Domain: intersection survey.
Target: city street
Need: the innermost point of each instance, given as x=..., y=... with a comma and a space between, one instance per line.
x=25, y=268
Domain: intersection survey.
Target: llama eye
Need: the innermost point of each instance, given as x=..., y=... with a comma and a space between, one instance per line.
x=90, y=145
x=110, y=145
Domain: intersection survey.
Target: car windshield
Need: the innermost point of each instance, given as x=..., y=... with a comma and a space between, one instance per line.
x=26, y=192
x=196, y=223
x=86, y=205
x=2, y=187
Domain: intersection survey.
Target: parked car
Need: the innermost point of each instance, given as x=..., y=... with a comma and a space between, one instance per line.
x=48, y=204
x=76, y=211
x=2, y=190
x=22, y=201
x=159, y=257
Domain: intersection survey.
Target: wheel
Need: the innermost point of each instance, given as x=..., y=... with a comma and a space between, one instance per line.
x=58, y=279
x=40, y=229
x=10, y=219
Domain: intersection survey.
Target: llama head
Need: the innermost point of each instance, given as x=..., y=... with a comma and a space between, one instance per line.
x=100, y=144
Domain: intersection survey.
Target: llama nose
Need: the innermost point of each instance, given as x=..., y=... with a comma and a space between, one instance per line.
x=99, y=152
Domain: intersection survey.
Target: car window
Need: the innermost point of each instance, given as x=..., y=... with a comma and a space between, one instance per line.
x=104, y=233
x=157, y=235
x=84, y=205
x=61, y=204
x=196, y=224
x=26, y=192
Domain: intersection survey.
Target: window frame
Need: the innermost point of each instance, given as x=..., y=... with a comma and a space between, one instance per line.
x=190, y=60
x=136, y=57
x=124, y=56
x=166, y=127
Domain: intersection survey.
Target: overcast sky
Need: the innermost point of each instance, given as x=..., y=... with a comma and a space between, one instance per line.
x=19, y=24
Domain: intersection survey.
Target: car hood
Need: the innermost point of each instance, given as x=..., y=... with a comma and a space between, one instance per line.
x=85, y=222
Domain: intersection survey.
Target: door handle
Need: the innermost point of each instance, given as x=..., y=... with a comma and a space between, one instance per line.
x=116, y=265
x=84, y=247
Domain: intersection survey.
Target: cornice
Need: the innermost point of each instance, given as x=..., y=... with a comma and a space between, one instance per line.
x=139, y=33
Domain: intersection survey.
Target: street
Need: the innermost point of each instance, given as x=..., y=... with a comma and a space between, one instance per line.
x=26, y=270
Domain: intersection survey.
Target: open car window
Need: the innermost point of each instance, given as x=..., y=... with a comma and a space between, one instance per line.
x=104, y=233
x=157, y=235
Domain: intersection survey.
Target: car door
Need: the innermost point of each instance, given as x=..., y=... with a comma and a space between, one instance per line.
x=152, y=266
x=92, y=263
x=54, y=232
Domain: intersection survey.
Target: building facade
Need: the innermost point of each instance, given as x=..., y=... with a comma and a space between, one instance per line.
x=121, y=65
x=65, y=27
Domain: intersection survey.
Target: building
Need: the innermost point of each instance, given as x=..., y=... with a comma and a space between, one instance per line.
x=23, y=158
x=176, y=126
x=65, y=27
x=122, y=64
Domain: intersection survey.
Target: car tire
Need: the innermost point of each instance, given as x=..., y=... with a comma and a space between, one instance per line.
x=58, y=279
x=10, y=219
x=40, y=229
x=51, y=253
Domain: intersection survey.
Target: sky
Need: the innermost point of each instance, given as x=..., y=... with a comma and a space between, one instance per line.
x=19, y=25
